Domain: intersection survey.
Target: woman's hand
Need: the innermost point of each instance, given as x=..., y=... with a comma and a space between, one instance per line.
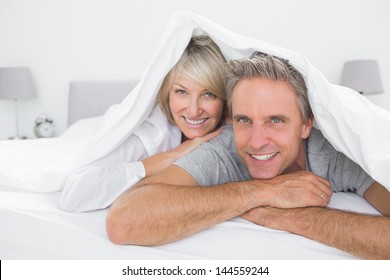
x=189, y=145
x=159, y=162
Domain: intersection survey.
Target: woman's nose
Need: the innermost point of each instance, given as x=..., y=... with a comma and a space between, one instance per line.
x=194, y=108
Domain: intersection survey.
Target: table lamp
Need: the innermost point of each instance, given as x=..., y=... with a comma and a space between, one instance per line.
x=16, y=83
x=362, y=76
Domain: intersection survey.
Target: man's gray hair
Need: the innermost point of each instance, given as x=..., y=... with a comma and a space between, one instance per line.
x=270, y=67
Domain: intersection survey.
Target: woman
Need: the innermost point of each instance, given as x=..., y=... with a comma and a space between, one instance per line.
x=192, y=97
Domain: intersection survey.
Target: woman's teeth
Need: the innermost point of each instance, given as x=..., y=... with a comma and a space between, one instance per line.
x=195, y=122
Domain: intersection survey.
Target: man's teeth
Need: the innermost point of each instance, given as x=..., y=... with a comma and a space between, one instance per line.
x=264, y=157
x=194, y=122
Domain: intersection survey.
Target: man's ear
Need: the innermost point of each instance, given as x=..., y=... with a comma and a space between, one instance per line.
x=306, y=128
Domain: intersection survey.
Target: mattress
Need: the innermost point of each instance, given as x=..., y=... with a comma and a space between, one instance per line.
x=33, y=227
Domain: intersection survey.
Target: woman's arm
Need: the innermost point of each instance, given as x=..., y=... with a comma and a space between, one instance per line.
x=97, y=186
x=156, y=163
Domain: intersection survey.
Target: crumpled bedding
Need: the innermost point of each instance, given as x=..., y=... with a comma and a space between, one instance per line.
x=351, y=123
x=44, y=165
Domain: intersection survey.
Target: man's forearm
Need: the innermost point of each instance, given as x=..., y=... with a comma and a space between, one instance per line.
x=365, y=236
x=157, y=213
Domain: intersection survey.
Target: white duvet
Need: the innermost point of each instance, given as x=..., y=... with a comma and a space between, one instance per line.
x=348, y=120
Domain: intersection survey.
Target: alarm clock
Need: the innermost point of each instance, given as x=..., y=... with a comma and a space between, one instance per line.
x=44, y=127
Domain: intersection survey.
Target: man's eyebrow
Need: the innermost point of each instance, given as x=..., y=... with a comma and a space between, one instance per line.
x=280, y=116
x=239, y=116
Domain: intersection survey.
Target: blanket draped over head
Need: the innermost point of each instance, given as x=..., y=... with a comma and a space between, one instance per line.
x=352, y=124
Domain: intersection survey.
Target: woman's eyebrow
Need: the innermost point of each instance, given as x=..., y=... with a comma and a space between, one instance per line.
x=180, y=85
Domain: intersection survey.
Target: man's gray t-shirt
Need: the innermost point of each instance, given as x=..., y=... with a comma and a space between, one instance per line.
x=216, y=162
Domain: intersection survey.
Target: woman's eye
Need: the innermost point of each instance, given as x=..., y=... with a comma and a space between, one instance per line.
x=210, y=95
x=180, y=91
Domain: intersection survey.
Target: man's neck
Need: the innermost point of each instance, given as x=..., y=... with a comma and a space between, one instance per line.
x=300, y=163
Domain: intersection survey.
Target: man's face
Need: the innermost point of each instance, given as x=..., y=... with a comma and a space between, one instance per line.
x=268, y=127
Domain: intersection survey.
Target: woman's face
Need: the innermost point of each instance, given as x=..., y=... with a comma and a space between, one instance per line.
x=195, y=110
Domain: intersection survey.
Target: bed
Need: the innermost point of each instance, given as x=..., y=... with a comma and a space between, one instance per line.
x=33, y=226
x=92, y=98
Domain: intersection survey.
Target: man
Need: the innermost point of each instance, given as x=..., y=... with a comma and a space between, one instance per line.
x=266, y=170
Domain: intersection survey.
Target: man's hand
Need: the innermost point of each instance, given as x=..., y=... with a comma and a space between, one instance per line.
x=270, y=217
x=296, y=189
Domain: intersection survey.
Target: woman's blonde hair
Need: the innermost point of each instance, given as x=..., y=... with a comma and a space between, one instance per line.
x=203, y=62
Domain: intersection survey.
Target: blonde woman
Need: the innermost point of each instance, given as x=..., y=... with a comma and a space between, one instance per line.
x=192, y=97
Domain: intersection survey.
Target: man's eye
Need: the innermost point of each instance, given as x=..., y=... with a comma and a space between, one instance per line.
x=243, y=120
x=277, y=120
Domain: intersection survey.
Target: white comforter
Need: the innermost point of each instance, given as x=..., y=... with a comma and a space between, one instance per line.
x=349, y=121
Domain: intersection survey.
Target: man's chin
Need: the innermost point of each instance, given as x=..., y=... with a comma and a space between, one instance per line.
x=263, y=175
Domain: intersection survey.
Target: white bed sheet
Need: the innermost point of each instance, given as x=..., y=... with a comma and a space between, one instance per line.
x=33, y=227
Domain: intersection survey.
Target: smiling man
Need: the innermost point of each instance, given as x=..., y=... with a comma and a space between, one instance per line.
x=269, y=137
x=271, y=168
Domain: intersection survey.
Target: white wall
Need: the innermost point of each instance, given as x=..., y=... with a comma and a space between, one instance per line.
x=64, y=40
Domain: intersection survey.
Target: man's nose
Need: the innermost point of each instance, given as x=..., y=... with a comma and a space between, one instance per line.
x=259, y=137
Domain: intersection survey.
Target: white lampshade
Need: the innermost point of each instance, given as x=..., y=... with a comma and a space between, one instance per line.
x=362, y=76
x=16, y=83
